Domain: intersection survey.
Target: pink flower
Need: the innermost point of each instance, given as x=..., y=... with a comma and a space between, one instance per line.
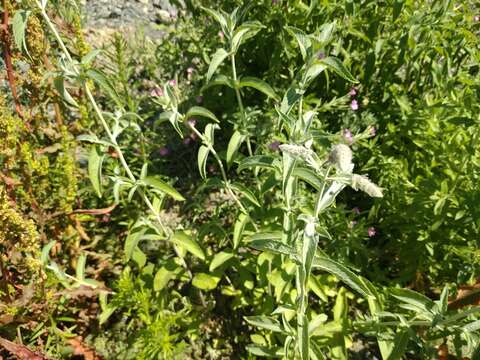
x=192, y=122
x=352, y=223
x=221, y=35
x=354, y=105
x=352, y=92
x=321, y=55
x=476, y=18
x=190, y=70
x=371, y=231
x=199, y=99
x=356, y=210
x=187, y=141
x=347, y=134
x=172, y=82
x=274, y=146
x=164, y=151
x=372, y=131
x=157, y=92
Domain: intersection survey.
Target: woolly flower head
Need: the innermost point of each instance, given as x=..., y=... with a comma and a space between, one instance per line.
x=341, y=157
x=297, y=151
x=361, y=182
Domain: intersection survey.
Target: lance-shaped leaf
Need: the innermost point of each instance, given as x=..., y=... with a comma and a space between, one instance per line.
x=244, y=32
x=342, y=273
x=266, y=351
x=202, y=161
x=303, y=40
x=163, y=187
x=271, y=242
x=243, y=190
x=200, y=111
x=217, y=59
x=80, y=269
x=238, y=229
x=186, y=241
x=19, y=25
x=418, y=301
x=102, y=80
x=220, y=80
x=337, y=66
x=233, y=145
x=265, y=322
x=219, y=259
x=59, y=84
x=258, y=84
x=95, y=161
x=261, y=161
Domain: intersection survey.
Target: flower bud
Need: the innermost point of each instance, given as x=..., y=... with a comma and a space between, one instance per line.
x=361, y=182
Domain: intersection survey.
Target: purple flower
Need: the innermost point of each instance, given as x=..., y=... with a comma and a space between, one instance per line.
x=352, y=223
x=274, y=146
x=172, y=82
x=187, y=141
x=356, y=210
x=157, y=92
x=371, y=231
x=352, y=92
x=354, y=105
x=372, y=131
x=321, y=55
x=192, y=122
x=347, y=134
x=164, y=151
x=199, y=99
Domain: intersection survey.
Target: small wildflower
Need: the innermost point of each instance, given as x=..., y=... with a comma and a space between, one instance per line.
x=192, y=122
x=199, y=99
x=164, y=151
x=352, y=223
x=172, y=82
x=321, y=55
x=353, y=92
x=372, y=131
x=190, y=71
x=356, y=210
x=347, y=134
x=221, y=35
x=371, y=231
x=274, y=146
x=157, y=92
x=476, y=18
x=187, y=141
x=354, y=105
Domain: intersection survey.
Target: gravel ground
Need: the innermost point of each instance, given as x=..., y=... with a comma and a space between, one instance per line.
x=127, y=14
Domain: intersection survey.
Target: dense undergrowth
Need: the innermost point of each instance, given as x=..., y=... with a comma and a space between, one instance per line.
x=205, y=195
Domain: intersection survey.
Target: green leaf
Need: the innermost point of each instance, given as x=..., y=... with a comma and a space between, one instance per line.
x=59, y=84
x=102, y=80
x=219, y=259
x=260, y=85
x=95, y=161
x=19, y=25
x=219, y=17
x=80, y=269
x=265, y=322
x=132, y=240
x=186, y=241
x=275, y=246
x=201, y=111
x=161, y=279
x=400, y=345
x=163, y=187
x=204, y=281
x=88, y=58
x=209, y=133
x=265, y=351
x=202, y=161
x=219, y=56
x=313, y=71
x=243, y=190
x=244, y=32
x=44, y=257
x=337, y=66
x=343, y=274
x=303, y=40
x=238, y=229
x=220, y=80
x=309, y=176
x=417, y=300
x=233, y=145
x=261, y=161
